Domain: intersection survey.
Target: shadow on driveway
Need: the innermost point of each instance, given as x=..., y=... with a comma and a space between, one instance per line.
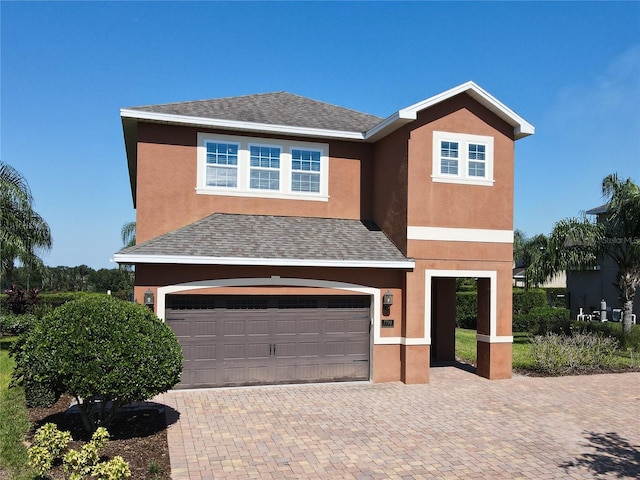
x=613, y=454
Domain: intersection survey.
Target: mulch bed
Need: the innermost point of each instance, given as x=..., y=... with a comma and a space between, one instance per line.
x=138, y=435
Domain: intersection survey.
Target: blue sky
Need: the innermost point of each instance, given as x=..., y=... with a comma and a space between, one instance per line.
x=571, y=69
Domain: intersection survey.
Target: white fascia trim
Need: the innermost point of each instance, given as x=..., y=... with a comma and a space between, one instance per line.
x=238, y=125
x=390, y=124
x=447, y=234
x=494, y=338
x=272, y=262
x=522, y=128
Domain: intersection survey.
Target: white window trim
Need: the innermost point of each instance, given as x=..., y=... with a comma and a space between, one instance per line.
x=463, y=141
x=244, y=168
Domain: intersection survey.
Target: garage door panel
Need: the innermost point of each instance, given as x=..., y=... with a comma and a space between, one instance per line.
x=286, y=326
x=309, y=372
x=258, y=351
x=246, y=341
x=310, y=326
x=204, y=328
x=204, y=377
x=234, y=327
x=203, y=352
x=335, y=325
x=180, y=328
x=234, y=351
x=256, y=374
x=309, y=349
x=258, y=327
x=358, y=326
x=357, y=348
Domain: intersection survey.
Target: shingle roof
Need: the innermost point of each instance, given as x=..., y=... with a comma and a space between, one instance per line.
x=279, y=108
x=272, y=237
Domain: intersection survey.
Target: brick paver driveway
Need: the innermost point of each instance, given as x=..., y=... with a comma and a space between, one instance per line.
x=457, y=426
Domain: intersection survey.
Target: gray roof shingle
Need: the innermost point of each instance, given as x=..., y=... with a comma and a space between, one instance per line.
x=272, y=237
x=279, y=108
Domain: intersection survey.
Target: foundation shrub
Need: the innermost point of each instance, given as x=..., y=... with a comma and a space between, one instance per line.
x=560, y=354
x=467, y=310
x=526, y=300
x=104, y=352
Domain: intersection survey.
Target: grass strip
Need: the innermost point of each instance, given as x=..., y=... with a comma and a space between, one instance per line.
x=14, y=422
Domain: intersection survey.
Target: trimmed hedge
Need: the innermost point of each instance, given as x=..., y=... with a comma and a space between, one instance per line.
x=467, y=310
x=541, y=320
x=12, y=324
x=526, y=300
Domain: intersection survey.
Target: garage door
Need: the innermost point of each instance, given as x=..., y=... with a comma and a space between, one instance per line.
x=255, y=340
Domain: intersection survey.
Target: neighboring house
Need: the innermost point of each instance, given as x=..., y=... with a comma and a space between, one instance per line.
x=289, y=240
x=587, y=288
x=557, y=281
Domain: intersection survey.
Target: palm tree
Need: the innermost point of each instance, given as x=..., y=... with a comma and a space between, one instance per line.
x=128, y=234
x=526, y=252
x=23, y=232
x=580, y=243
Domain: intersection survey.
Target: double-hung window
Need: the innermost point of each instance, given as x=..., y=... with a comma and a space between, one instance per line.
x=305, y=170
x=222, y=164
x=462, y=158
x=265, y=168
x=235, y=165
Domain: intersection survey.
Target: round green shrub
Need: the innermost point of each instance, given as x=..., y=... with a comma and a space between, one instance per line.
x=103, y=351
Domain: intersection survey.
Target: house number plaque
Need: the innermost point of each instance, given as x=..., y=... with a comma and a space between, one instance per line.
x=387, y=323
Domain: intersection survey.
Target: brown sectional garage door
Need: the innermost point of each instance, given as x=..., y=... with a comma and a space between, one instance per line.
x=268, y=340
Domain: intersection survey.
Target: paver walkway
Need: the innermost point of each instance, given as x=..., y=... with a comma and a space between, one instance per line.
x=457, y=426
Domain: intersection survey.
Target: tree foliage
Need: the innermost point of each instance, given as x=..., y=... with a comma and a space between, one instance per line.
x=75, y=279
x=23, y=232
x=578, y=243
x=104, y=352
x=128, y=234
x=526, y=252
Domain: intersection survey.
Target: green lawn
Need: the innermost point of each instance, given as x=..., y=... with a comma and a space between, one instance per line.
x=14, y=421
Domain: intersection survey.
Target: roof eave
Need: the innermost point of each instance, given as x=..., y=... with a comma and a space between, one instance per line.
x=236, y=125
x=124, y=258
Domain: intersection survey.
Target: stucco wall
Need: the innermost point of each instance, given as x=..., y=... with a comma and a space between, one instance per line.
x=167, y=176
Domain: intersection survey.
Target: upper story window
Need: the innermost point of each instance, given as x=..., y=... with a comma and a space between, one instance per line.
x=257, y=167
x=222, y=164
x=462, y=158
x=265, y=168
x=305, y=170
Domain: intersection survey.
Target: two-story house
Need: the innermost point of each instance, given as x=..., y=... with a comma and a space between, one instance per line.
x=287, y=240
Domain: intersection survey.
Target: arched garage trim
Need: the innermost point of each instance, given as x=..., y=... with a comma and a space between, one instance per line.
x=279, y=281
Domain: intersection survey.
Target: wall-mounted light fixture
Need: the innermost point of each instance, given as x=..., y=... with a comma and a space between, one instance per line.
x=149, y=299
x=387, y=299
